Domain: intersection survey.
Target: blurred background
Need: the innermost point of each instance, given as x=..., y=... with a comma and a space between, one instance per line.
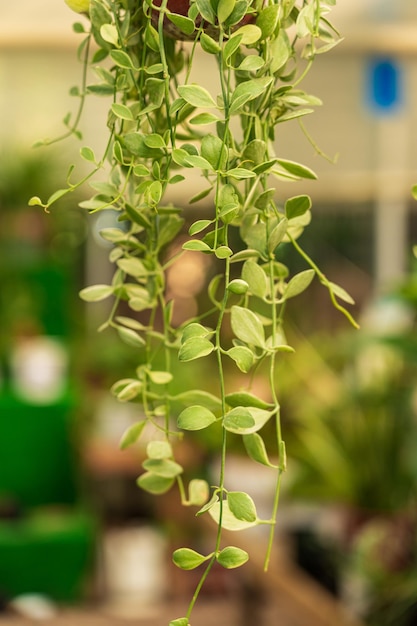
x=75, y=531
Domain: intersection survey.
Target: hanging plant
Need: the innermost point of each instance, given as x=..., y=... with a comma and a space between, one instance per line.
x=163, y=125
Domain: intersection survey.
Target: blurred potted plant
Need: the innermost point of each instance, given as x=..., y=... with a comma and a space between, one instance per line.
x=165, y=125
x=357, y=451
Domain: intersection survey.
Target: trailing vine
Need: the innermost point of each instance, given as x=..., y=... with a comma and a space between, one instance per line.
x=162, y=125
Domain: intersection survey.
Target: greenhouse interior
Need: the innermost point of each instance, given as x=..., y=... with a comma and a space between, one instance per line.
x=149, y=367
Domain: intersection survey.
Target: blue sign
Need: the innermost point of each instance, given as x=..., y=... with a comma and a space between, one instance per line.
x=384, y=85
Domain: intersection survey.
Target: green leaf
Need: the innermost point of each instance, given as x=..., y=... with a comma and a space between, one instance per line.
x=122, y=59
x=180, y=621
x=110, y=34
x=243, y=357
x=277, y=235
x=255, y=447
x=195, y=348
x=133, y=267
x=240, y=173
x=160, y=378
x=95, y=293
x=130, y=337
x=198, y=226
x=296, y=206
x=301, y=171
x=298, y=284
x=244, y=398
x=247, y=91
x=242, y=506
x=194, y=329
x=228, y=520
x=232, y=557
x=250, y=34
x=256, y=278
x=196, y=244
x=340, y=293
x=206, y=10
x=198, y=396
x=196, y=96
x=195, y=160
x=267, y=20
x=122, y=111
x=223, y=252
x=238, y=421
x=247, y=326
x=132, y=434
x=214, y=150
x=208, y=44
x=165, y=468
x=154, y=484
x=251, y=63
x=198, y=492
x=159, y=450
x=126, y=389
x=231, y=46
x=188, y=559
x=195, y=418
x=281, y=50
x=88, y=154
x=185, y=24
x=224, y=9
x=202, y=119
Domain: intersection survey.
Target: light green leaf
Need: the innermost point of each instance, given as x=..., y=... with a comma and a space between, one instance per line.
x=208, y=44
x=202, y=119
x=341, y=293
x=239, y=421
x=228, y=520
x=240, y=173
x=267, y=20
x=153, y=140
x=160, y=378
x=232, y=557
x=180, y=621
x=277, y=235
x=242, y=506
x=247, y=326
x=133, y=267
x=110, y=34
x=195, y=418
x=223, y=252
x=196, y=96
x=122, y=59
x=198, y=226
x=88, y=154
x=122, y=111
x=298, y=284
x=95, y=293
x=126, y=389
x=154, y=484
x=196, y=244
x=198, y=396
x=186, y=25
x=214, y=150
x=165, y=468
x=231, y=46
x=195, y=348
x=247, y=91
x=130, y=337
x=198, y=492
x=132, y=434
x=224, y=9
x=251, y=63
x=296, y=206
x=243, y=357
x=256, y=278
x=188, y=559
x=244, y=398
x=159, y=450
x=250, y=34
x=194, y=329
x=255, y=447
x=297, y=169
